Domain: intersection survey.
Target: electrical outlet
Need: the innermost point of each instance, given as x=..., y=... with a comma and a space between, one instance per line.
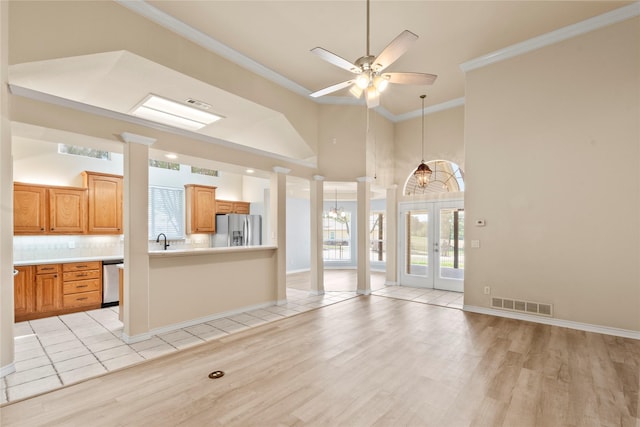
x=487, y=290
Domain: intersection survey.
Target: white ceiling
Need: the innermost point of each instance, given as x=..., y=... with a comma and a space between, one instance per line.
x=274, y=38
x=279, y=35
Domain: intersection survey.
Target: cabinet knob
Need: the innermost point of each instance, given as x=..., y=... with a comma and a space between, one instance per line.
x=42, y=229
x=52, y=228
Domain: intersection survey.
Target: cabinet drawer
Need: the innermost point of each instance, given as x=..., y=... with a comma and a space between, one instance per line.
x=81, y=286
x=79, y=266
x=80, y=275
x=224, y=207
x=82, y=299
x=47, y=268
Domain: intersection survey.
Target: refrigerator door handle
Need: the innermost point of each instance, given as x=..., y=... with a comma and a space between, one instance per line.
x=245, y=231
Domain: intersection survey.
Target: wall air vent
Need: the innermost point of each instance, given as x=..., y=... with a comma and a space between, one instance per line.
x=529, y=307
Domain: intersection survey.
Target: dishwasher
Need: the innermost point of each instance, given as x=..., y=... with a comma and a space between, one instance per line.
x=110, y=282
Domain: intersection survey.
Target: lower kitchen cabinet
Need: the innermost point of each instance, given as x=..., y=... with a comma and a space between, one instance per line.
x=24, y=291
x=52, y=289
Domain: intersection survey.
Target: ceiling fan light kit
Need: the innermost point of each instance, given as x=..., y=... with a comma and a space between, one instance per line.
x=369, y=69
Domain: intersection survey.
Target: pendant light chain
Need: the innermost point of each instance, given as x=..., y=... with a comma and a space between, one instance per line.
x=423, y=97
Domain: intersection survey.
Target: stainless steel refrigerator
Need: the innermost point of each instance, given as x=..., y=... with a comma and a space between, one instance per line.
x=237, y=230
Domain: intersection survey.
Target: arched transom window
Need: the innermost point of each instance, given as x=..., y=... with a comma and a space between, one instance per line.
x=446, y=177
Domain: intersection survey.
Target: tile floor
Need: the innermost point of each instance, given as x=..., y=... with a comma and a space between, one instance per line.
x=427, y=296
x=57, y=351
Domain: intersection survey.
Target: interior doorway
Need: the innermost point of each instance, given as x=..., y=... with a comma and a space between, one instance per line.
x=431, y=244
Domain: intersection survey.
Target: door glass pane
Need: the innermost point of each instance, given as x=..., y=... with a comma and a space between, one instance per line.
x=417, y=226
x=336, y=236
x=376, y=236
x=452, y=243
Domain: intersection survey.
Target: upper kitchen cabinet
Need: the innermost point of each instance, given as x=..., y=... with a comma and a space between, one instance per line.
x=201, y=208
x=67, y=210
x=228, y=207
x=105, y=202
x=29, y=209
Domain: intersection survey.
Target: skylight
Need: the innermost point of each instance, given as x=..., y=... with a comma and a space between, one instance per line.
x=173, y=113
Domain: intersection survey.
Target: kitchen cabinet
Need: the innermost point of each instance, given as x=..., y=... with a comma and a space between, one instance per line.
x=23, y=291
x=104, y=202
x=30, y=211
x=67, y=210
x=227, y=207
x=48, y=289
x=201, y=208
x=82, y=285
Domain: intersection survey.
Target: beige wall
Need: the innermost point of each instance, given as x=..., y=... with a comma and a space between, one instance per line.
x=443, y=140
x=380, y=151
x=46, y=30
x=552, y=165
x=185, y=288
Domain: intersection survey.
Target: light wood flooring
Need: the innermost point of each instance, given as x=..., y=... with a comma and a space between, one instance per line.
x=362, y=362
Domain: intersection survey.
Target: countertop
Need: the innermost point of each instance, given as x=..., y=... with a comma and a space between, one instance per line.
x=207, y=251
x=65, y=260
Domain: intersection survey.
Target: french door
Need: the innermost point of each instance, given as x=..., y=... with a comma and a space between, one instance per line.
x=431, y=244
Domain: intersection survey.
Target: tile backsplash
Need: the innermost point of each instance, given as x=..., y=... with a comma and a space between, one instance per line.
x=28, y=248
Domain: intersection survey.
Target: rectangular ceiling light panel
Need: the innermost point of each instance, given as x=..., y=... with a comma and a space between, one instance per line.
x=173, y=113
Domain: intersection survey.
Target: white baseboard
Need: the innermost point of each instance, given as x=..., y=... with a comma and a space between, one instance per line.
x=316, y=293
x=361, y=292
x=176, y=326
x=388, y=283
x=302, y=270
x=625, y=333
x=8, y=369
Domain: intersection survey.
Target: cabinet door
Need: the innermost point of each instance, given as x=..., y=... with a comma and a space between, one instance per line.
x=224, y=207
x=48, y=292
x=23, y=291
x=105, y=203
x=241, y=207
x=67, y=210
x=29, y=209
x=201, y=201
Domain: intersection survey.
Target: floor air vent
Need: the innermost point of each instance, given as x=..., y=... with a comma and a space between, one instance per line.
x=522, y=306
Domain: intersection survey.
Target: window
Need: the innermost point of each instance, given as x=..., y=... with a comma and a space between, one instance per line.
x=83, y=151
x=166, y=212
x=164, y=165
x=204, y=171
x=336, y=236
x=377, y=227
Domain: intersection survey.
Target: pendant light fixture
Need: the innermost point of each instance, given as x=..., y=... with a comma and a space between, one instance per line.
x=334, y=212
x=423, y=172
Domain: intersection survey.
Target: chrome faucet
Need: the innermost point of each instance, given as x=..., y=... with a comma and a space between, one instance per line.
x=165, y=240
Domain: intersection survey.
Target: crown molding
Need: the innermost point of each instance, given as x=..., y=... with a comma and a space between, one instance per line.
x=209, y=43
x=457, y=102
x=583, y=27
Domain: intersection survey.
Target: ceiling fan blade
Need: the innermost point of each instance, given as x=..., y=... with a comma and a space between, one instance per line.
x=395, y=49
x=410, y=78
x=330, y=89
x=336, y=60
x=372, y=96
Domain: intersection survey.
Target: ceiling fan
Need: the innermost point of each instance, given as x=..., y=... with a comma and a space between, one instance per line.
x=369, y=77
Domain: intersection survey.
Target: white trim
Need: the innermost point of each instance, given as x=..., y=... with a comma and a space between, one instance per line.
x=91, y=109
x=388, y=283
x=597, y=22
x=8, y=369
x=280, y=169
x=318, y=178
x=282, y=302
x=454, y=103
x=361, y=292
x=129, y=137
x=625, y=333
x=135, y=338
x=302, y=270
x=364, y=179
x=316, y=293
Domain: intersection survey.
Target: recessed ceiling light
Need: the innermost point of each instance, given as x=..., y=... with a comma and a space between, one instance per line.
x=173, y=113
x=249, y=171
x=171, y=156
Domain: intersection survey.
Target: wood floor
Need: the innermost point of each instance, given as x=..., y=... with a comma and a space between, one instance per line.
x=363, y=362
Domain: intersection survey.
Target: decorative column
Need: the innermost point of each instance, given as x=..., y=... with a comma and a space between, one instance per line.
x=278, y=220
x=6, y=205
x=317, y=259
x=136, y=237
x=392, y=236
x=364, y=208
